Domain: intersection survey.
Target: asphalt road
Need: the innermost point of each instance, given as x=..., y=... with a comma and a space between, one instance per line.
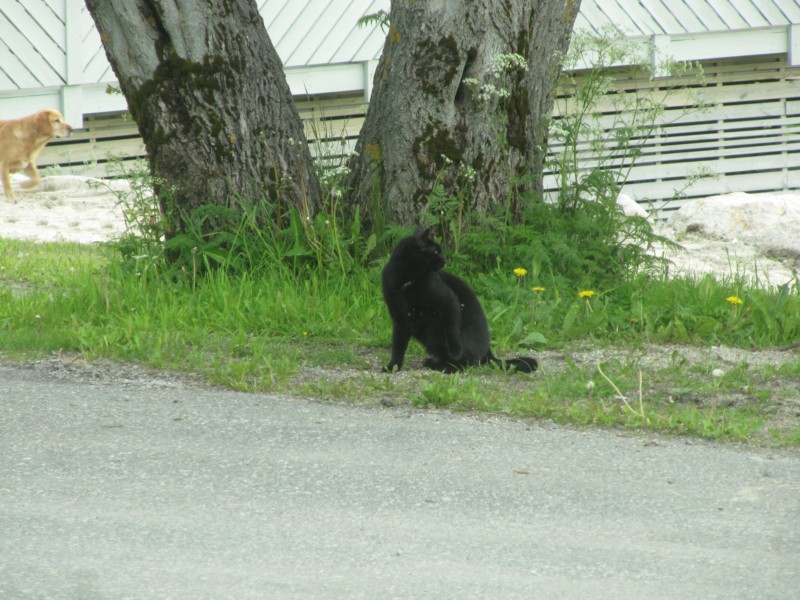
x=134, y=490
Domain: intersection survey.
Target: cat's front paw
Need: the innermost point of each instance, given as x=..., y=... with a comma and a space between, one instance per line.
x=433, y=363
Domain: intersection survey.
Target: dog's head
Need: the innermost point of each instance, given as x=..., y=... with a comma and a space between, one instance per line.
x=51, y=123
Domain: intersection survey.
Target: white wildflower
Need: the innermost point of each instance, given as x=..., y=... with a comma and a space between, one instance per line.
x=468, y=173
x=506, y=63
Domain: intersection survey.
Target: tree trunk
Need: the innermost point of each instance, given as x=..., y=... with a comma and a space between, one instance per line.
x=446, y=109
x=207, y=89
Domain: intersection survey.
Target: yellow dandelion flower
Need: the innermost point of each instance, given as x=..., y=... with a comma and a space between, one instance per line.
x=537, y=289
x=586, y=293
x=734, y=300
x=520, y=272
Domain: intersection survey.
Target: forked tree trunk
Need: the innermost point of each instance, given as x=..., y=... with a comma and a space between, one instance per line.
x=207, y=89
x=434, y=116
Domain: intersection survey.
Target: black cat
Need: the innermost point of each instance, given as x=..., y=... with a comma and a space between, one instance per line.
x=438, y=309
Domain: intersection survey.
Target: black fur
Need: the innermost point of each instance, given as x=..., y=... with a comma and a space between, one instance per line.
x=438, y=309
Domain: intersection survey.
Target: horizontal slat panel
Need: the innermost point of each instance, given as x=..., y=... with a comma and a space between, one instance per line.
x=709, y=134
x=333, y=129
x=725, y=161
x=779, y=159
x=742, y=71
x=747, y=92
x=341, y=111
x=658, y=195
x=749, y=137
x=103, y=151
x=751, y=183
x=332, y=118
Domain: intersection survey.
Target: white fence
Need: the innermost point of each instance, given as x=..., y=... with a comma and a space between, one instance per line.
x=746, y=138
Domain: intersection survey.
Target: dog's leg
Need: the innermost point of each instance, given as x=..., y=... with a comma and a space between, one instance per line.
x=33, y=176
x=9, y=192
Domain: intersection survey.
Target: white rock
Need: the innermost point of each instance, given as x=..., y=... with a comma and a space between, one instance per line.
x=630, y=207
x=756, y=235
x=769, y=222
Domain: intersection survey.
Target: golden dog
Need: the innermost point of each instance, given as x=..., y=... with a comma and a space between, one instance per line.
x=22, y=139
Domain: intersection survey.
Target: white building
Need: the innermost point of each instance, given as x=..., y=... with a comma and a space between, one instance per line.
x=51, y=57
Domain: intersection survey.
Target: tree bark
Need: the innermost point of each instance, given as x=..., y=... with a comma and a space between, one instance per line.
x=207, y=90
x=444, y=112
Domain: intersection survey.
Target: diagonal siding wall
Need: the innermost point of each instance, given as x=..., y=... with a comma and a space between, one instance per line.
x=51, y=55
x=308, y=32
x=671, y=17
x=37, y=36
x=32, y=44
x=45, y=43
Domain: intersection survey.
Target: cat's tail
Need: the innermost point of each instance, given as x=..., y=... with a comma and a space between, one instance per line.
x=521, y=364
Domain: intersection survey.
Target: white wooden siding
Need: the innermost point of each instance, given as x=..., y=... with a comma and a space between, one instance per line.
x=51, y=55
x=671, y=17
x=45, y=43
x=91, y=63
x=29, y=65
x=315, y=32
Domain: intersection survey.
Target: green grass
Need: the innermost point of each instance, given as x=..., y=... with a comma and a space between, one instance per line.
x=323, y=333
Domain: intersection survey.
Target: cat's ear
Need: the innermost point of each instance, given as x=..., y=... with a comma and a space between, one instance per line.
x=425, y=234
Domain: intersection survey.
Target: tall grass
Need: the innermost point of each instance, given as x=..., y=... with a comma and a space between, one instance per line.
x=84, y=299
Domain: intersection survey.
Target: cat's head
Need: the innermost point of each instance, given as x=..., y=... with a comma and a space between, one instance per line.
x=427, y=250
x=419, y=253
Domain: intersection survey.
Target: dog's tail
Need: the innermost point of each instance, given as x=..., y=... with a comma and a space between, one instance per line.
x=521, y=364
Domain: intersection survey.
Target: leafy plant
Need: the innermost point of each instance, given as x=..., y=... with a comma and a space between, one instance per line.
x=449, y=214
x=601, y=125
x=380, y=17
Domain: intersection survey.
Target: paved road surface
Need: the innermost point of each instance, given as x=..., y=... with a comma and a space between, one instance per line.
x=141, y=491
